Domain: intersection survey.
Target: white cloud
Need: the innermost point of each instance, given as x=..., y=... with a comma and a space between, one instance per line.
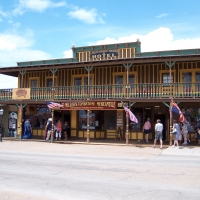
x=36, y=5
x=8, y=82
x=16, y=48
x=68, y=54
x=11, y=42
x=162, y=15
x=87, y=16
x=160, y=39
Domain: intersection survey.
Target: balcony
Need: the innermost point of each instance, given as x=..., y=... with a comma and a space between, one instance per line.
x=135, y=91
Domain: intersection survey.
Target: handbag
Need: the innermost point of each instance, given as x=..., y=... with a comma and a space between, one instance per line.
x=174, y=132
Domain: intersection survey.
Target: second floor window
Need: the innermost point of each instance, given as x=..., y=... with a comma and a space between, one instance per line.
x=166, y=78
x=187, y=77
x=33, y=83
x=49, y=82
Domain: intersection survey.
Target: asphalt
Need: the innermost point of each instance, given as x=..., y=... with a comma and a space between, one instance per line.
x=192, y=149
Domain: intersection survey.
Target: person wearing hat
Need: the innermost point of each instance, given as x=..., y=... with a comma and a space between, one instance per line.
x=48, y=128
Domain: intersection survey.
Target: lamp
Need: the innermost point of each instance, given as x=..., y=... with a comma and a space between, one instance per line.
x=1, y=128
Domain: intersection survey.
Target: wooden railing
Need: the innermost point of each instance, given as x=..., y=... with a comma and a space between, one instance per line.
x=150, y=90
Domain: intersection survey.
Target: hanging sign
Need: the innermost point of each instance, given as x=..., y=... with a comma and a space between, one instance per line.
x=89, y=105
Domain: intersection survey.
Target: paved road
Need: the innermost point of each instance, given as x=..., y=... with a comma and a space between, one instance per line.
x=53, y=171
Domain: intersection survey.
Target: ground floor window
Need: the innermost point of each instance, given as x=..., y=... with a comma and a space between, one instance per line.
x=96, y=119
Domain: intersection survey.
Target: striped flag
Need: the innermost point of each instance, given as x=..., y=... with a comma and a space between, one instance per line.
x=177, y=110
x=131, y=115
x=52, y=105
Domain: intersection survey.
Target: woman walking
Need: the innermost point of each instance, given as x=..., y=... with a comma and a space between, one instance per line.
x=177, y=132
x=185, y=133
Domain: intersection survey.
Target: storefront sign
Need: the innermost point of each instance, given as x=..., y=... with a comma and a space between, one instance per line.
x=103, y=54
x=89, y=105
x=21, y=93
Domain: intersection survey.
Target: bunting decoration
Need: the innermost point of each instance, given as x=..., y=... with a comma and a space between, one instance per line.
x=131, y=115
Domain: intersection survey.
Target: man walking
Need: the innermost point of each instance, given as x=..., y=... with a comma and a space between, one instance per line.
x=158, y=133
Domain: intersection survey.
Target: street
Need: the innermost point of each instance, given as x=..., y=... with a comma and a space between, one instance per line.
x=36, y=170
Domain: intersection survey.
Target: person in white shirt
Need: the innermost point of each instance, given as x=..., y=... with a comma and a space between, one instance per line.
x=158, y=133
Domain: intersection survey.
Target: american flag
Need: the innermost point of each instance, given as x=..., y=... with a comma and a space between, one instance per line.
x=177, y=110
x=131, y=115
x=53, y=105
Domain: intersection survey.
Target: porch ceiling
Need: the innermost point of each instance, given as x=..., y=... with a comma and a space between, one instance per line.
x=138, y=100
x=13, y=71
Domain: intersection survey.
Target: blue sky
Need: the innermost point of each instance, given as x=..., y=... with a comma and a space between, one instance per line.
x=47, y=29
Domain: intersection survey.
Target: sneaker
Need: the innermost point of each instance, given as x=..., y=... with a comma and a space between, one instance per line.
x=185, y=143
x=154, y=146
x=161, y=148
x=173, y=146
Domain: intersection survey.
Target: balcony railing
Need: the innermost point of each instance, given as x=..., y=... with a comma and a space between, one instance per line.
x=177, y=90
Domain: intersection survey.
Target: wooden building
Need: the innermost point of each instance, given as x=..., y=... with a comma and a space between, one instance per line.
x=92, y=84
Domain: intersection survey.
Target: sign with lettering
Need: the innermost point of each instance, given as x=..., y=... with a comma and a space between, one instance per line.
x=103, y=54
x=21, y=93
x=89, y=105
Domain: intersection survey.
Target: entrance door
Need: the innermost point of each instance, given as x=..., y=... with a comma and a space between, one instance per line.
x=162, y=119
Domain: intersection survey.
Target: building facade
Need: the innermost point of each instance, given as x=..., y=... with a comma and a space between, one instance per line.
x=92, y=85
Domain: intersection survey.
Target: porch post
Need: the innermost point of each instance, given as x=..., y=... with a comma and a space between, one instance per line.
x=52, y=131
x=171, y=101
x=88, y=69
x=88, y=126
x=127, y=66
x=127, y=129
x=22, y=77
x=53, y=71
x=20, y=109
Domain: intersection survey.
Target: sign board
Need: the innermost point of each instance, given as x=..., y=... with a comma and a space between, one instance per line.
x=21, y=93
x=89, y=105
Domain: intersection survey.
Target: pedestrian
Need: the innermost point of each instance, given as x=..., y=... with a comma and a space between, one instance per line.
x=48, y=128
x=185, y=133
x=65, y=130
x=158, y=133
x=147, y=129
x=59, y=130
x=176, y=131
x=27, y=130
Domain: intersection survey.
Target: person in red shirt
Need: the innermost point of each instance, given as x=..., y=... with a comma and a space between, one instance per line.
x=147, y=129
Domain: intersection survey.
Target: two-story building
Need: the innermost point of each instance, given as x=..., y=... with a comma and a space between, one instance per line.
x=92, y=84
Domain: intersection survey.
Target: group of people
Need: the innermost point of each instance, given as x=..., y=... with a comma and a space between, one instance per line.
x=60, y=130
x=158, y=132
x=180, y=132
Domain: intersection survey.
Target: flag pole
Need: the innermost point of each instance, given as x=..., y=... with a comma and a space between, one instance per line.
x=127, y=128
x=52, y=131
x=171, y=97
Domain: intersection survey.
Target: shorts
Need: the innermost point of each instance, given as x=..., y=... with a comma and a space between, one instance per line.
x=185, y=135
x=176, y=136
x=147, y=131
x=158, y=135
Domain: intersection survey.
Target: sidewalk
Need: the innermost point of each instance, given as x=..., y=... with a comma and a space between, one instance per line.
x=133, y=148
x=182, y=151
